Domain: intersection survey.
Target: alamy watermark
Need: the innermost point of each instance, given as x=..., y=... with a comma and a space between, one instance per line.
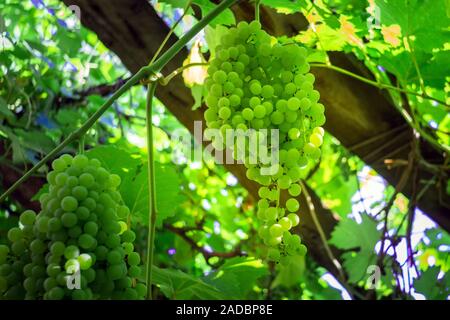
x=73, y=278
x=374, y=276
x=229, y=146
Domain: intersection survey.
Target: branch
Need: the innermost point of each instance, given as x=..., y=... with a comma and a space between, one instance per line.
x=153, y=68
x=182, y=232
x=403, y=112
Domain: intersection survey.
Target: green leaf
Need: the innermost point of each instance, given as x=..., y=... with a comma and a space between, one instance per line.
x=237, y=276
x=176, y=284
x=134, y=190
x=197, y=93
x=175, y=3
x=68, y=41
x=290, y=275
x=356, y=263
x=285, y=6
x=438, y=237
x=423, y=19
x=213, y=36
x=348, y=235
x=4, y=109
x=116, y=160
x=430, y=286
x=35, y=140
x=225, y=18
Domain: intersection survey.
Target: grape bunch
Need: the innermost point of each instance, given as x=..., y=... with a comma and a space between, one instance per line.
x=79, y=246
x=255, y=82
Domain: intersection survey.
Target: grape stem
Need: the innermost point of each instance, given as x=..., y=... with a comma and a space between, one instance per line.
x=312, y=211
x=151, y=188
x=257, y=3
x=165, y=80
x=172, y=29
x=402, y=111
x=144, y=72
x=323, y=238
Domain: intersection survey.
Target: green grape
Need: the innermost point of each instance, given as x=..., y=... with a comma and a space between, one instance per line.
x=85, y=261
x=255, y=88
x=56, y=293
x=292, y=205
x=316, y=139
x=295, y=220
x=285, y=223
x=69, y=219
x=224, y=113
x=87, y=180
x=37, y=246
x=71, y=252
x=271, y=214
x=284, y=182
x=80, y=161
x=274, y=254
x=277, y=117
x=91, y=228
x=112, y=241
x=15, y=234
x=59, y=165
x=69, y=203
x=267, y=91
x=101, y=252
x=80, y=193
x=247, y=114
x=28, y=217
x=86, y=241
x=295, y=190
x=116, y=271
x=128, y=236
x=114, y=257
x=276, y=230
x=134, y=259
x=42, y=223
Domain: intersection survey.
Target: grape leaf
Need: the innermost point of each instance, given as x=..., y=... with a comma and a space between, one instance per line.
x=285, y=6
x=430, y=286
x=134, y=190
x=225, y=18
x=176, y=284
x=350, y=235
x=425, y=19
x=4, y=109
x=116, y=160
x=291, y=274
x=237, y=276
x=197, y=93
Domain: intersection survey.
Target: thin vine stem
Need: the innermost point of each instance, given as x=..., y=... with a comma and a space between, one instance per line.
x=377, y=84
x=165, y=80
x=153, y=68
x=152, y=214
x=323, y=238
x=81, y=145
x=402, y=111
x=172, y=30
x=257, y=3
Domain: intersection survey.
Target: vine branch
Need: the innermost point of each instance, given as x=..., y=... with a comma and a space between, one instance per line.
x=153, y=68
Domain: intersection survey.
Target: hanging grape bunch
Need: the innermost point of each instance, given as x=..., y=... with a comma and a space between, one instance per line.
x=80, y=229
x=255, y=82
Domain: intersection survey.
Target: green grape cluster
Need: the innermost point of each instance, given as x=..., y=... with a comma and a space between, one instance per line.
x=255, y=82
x=81, y=230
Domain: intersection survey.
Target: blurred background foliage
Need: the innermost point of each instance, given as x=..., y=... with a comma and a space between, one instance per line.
x=54, y=73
